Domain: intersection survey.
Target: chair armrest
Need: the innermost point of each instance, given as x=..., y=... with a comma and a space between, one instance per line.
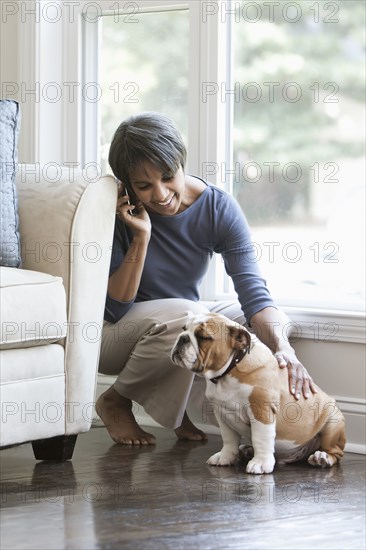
x=66, y=229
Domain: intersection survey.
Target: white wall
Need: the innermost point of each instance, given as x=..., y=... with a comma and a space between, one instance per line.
x=33, y=50
x=10, y=70
x=9, y=57
x=9, y=51
x=339, y=368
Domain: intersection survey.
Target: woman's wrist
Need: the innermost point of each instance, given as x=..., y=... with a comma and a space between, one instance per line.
x=141, y=238
x=284, y=346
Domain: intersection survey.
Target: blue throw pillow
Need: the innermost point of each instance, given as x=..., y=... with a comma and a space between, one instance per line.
x=9, y=233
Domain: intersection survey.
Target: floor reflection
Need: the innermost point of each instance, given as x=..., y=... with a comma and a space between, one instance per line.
x=166, y=496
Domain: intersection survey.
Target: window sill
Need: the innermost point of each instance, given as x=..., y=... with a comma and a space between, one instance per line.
x=329, y=326
x=320, y=324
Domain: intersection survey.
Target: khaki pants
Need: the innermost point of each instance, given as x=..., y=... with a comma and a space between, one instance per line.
x=137, y=350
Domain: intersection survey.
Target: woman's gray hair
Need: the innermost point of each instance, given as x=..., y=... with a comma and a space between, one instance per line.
x=150, y=137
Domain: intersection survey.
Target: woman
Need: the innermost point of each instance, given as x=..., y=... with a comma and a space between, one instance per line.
x=168, y=226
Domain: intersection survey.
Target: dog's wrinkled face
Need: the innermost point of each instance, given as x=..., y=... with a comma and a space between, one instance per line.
x=207, y=344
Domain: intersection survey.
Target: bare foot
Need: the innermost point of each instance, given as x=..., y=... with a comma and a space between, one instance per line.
x=116, y=413
x=187, y=430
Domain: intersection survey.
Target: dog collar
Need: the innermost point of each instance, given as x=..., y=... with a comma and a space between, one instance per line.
x=237, y=357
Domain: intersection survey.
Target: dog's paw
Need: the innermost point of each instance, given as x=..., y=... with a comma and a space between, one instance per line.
x=259, y=465
x=223, y=459
x=321, y=459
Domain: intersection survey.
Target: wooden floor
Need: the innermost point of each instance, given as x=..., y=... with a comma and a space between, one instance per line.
x=166, y=497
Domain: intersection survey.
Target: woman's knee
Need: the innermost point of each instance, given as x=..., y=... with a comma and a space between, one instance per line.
x=159, y=322
x=229, y=308
x=175, y=308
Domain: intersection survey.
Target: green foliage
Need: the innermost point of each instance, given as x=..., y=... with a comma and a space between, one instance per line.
x=326, y=61
x=152, y=54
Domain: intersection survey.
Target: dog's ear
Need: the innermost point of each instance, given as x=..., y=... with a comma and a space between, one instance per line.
x=240, y=337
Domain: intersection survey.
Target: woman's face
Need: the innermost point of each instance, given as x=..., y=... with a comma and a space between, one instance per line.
x=159, y=193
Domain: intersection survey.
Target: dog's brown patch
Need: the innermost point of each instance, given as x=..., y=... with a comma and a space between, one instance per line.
x=263, y=405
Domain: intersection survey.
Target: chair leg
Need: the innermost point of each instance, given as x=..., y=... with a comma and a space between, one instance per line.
x=59, y=448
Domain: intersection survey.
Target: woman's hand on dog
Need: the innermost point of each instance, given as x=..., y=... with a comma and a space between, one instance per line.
x=298, y=377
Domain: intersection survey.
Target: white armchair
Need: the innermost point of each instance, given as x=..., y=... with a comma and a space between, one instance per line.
x=52, y=308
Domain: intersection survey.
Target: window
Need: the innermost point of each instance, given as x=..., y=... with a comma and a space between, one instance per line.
x=269, y=98
x=298, y=167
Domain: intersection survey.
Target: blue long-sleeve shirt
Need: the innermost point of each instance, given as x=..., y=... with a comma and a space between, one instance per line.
x=180, y=250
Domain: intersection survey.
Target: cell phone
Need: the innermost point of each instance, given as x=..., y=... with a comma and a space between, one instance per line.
x=125, y=192
x=131, y=212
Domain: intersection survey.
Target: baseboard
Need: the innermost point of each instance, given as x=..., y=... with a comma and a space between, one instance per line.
x=354, y=410
x=144, y=419
x=355, y=448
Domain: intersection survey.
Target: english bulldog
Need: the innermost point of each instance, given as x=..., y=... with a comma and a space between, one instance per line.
x=251, y=400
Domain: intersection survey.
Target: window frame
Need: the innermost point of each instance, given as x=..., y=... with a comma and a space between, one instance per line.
x=210, y=125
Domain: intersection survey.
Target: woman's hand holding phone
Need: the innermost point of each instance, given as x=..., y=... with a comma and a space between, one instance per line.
x=132, y=213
